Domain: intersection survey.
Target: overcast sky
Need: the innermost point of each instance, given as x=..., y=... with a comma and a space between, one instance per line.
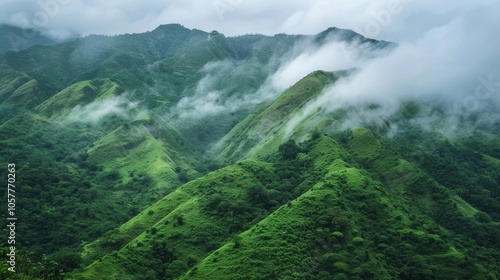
x=394, y=20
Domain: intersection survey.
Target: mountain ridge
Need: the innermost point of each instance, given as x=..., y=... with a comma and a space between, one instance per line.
x=13, y=38
x=170, y=154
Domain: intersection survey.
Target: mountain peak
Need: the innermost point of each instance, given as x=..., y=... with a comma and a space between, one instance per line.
x=344, y=34
x=170, y=27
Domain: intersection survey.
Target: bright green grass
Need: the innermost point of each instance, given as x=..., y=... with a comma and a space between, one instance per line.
x=465, y=208
x=18, y=93
x=131, y=149
x=279, y=247
x=284, y=244
x=80, y=93
x=259, y=136
x=364, y=145
x=491, y=159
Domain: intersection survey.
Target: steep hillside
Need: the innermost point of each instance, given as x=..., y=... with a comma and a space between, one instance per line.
x=79, y=94
x=260, y=134
x=237, y=223
x=81, y=156
x=193, y=220
x=18, y=93
x=344, y=227
x=168, y=67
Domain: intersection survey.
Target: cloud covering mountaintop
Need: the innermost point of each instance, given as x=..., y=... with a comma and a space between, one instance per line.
x=394, y=20
x=447, y=51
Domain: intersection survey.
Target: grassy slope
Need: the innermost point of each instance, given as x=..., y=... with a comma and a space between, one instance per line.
x=137, y=158
x=79, y=94
x=197, y=234
x=131, y=150
x=402, y=178
x=347, y=223
x=134, y=227
x=259, y=135
x=292, y=242
x=18, y=93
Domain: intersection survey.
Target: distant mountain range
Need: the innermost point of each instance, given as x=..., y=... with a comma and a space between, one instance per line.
x=15, y=39
x=172, y=154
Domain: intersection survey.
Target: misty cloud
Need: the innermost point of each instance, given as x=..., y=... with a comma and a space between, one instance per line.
x=336, y=54
x=392, y=20
x=207, y=97
x=94, y=112
x=219, y=91
x=446, y=63
x=455, y=64
x=447, y=50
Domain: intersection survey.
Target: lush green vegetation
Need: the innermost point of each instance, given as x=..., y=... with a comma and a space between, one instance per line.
x=314, y=213
x=116, y=180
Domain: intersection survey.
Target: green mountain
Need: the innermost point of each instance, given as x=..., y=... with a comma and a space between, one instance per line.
x=170, y=155
x=14, y=38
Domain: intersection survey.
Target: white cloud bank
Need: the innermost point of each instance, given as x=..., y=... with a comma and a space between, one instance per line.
x=456, y=64
x=394, y=20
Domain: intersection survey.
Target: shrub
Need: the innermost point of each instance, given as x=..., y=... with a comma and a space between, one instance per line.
x=180, y=220
x=338, y=234
x=342, y=266
x=358, y=240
